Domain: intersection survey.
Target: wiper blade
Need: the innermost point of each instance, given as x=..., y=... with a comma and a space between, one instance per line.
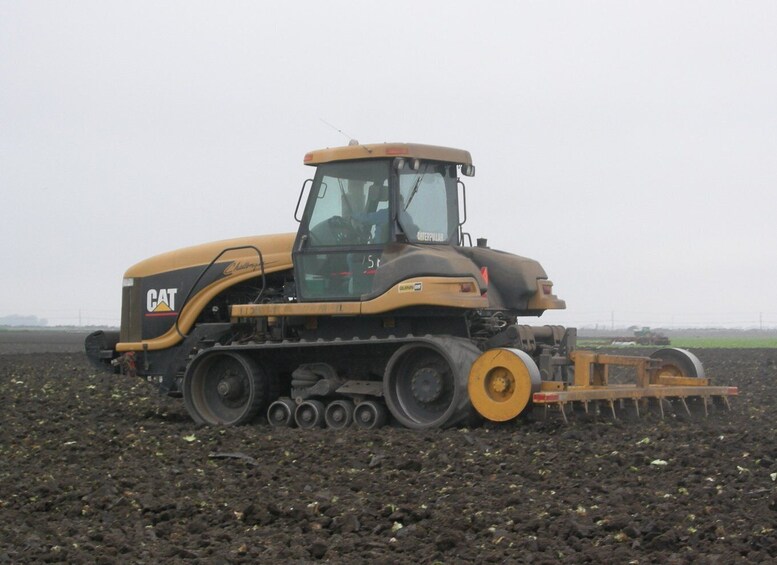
x=345, y=197
x=415, y=189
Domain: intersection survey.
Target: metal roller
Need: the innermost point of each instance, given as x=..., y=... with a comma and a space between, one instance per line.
x=501, y=383
x=676, y=362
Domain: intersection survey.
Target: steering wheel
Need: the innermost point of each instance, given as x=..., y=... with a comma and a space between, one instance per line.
x=343, y=231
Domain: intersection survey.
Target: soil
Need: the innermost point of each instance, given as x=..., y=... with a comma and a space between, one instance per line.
x=97, y=468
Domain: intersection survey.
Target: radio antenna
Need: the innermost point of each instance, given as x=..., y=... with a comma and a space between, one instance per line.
x=351, y=140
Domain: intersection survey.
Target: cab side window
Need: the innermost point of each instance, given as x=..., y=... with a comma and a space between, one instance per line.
x=428, y=208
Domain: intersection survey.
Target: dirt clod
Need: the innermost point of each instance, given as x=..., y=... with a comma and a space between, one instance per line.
x=97, y=468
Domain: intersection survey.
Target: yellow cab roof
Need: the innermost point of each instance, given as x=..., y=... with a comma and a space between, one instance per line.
x=383, y=150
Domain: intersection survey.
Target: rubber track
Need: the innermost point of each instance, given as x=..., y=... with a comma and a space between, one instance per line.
x=460, y=353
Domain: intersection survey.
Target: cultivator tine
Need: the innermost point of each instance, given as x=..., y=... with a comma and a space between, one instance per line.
x=725, y=401
x=685, y=405
x=563, y=412
x=636, y=406
x=612, y=409
x=706, y=413
x=661, y=406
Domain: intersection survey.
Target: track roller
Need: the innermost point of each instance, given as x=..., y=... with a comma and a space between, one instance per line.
x=339, y=414
x=280, y=414
x=501, y=383
x=310, y=414
x=224, y=388
x=369, y=415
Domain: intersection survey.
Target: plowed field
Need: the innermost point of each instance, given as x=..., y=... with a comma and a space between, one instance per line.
x=97, y=468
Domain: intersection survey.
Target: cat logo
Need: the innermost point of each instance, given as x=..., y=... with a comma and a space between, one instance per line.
x=161, y=302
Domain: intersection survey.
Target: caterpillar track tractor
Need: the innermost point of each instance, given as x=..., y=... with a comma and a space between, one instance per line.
x=378, y=309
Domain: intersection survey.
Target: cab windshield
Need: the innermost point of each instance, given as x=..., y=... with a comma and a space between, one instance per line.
x=351, y=204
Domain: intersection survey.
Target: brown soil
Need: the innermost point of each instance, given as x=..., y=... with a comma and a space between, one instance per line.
x=96, y=468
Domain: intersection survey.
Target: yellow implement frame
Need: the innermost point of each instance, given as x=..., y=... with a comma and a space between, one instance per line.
x=591, y=383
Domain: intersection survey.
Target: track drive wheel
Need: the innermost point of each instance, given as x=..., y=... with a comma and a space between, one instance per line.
x=339, y=414
x=369, y=415
x=501, y=383
x=280, y=414
x=310, y=414
x=677, y=362
x=425, y=383
x=224, y=388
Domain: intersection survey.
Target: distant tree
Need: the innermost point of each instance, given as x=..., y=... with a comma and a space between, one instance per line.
x=28, y=321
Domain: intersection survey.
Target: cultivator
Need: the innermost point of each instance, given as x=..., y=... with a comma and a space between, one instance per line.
x=548, y=371
x=667, y=375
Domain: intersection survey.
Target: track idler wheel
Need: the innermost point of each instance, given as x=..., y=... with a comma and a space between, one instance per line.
x=369, y=415
x=677, y=362
x=425, y=383
x=280, y=414
x=339, y=414
x=224, y=388
x=310, y=414
x=501, y=383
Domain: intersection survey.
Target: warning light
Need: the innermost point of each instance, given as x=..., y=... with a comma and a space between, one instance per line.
x=540, y=397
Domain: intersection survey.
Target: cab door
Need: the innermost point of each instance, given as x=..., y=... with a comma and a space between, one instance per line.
x=344, y=228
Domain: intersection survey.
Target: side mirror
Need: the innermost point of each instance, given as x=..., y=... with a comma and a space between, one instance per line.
x=468, y=170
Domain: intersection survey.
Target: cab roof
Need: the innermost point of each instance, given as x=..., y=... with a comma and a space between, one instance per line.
x=383, y=150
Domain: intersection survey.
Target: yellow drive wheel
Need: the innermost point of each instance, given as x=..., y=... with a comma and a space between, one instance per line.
x=501, y=383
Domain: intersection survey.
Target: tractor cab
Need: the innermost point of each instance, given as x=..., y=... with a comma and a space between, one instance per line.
x=364, y=199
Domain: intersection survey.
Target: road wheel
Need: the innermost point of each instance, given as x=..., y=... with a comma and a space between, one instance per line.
x=280, y=414
x=310, y=414
x=339, y=414
x=369, y=415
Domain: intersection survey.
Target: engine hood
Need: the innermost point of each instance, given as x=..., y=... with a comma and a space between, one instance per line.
x=275, y=249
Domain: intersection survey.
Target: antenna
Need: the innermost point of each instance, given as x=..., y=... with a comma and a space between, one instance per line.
x=351, y=140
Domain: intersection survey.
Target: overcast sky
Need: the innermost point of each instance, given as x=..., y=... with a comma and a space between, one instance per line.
x=630, y=147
